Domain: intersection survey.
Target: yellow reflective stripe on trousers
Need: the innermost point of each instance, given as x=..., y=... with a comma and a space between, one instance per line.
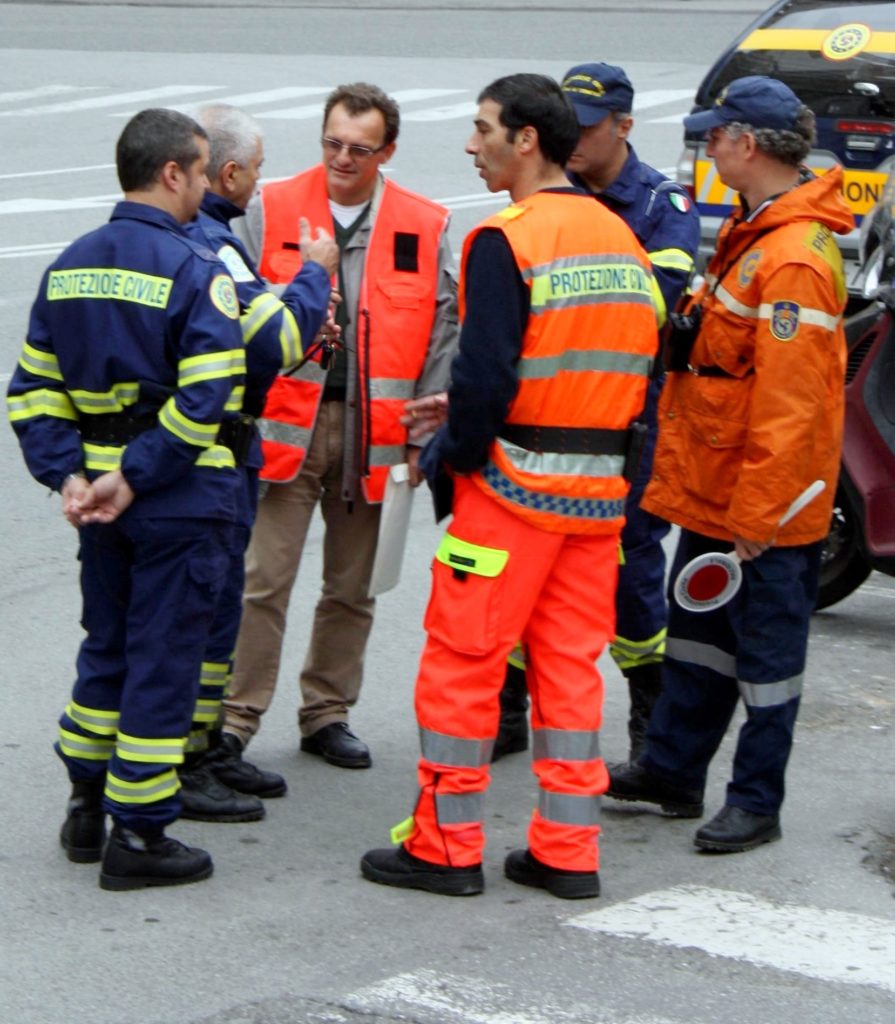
x=771, y=695
x=566, y=809
x=41, y=402
x=196, y=742
x=147, y=791
x=516, y=657
x=631, y=653
x=458, y=808
x=191, y=431
x=575, y=360
x=98, y=403
x=207, y=710
x=211, y=366
x=587, y=279
x=104, y=458
x=705, y=655
x=565, y=744
x=104, y=723
x=235, y=399
x=214, y=673
x=39, y=363
x=138, y=748
x=86, y=748
x=453, y=751
x=557, y=463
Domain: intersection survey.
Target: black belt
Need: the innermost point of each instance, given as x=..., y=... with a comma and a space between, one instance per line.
x=566, y=440
x=120, y=428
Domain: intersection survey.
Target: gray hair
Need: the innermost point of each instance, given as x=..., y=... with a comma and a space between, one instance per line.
x=232, y=135
x=789, y=147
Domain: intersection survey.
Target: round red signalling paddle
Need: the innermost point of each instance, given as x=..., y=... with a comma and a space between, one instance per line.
x=710, y=580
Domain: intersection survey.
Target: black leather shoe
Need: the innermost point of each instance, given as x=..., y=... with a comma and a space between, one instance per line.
x=733, y=830
x=337, y=744
x=644, y=687
x=205, y=798
x=84, y=829
x=134, y=861
x=399, y=868
x=227, y=764
x=523, y=867
x=632, y=782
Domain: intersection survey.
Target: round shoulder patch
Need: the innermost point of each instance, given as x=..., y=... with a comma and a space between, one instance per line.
x=785, y=320
x=231, y=259
x=223, y=296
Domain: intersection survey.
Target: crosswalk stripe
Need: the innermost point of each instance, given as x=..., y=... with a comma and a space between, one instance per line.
x=57, y=170
x=446, y=113
x=98, y=102
x=41, y=91
x=830, y=945
x=303, y=113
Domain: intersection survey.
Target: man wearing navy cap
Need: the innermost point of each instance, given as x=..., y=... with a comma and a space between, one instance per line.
x=753, y=417
x=664, y=219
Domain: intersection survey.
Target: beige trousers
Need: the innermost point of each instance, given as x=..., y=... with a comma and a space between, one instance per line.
x=330, y=680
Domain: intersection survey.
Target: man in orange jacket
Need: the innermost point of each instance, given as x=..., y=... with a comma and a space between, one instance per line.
x=753, y=415
x=557, y=343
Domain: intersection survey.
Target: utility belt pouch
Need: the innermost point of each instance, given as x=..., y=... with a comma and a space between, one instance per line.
x=237, y=434
x=683, y=329
x=637, y=433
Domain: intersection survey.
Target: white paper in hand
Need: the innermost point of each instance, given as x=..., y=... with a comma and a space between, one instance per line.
x=393, y=527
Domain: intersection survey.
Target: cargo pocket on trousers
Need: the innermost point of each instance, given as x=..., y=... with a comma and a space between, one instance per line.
x=467, y=595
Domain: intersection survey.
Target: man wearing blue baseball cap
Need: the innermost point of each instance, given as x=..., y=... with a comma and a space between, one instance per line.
x=663, y=217
x=751, y=415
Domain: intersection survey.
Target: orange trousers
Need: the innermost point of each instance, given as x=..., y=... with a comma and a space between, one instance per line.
x=557, y=592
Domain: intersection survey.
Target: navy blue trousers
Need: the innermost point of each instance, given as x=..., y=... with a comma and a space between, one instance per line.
x=640, y=607
x=150, y=588
x=752, y=648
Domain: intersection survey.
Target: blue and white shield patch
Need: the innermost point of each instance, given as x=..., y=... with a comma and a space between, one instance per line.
x=785, y=320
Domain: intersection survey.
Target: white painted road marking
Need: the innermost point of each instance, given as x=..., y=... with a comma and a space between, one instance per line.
x=826, y=944
x=41, y=91
x=470, y=1000
x=57, y=170
x=400, y=96
x=96, y=102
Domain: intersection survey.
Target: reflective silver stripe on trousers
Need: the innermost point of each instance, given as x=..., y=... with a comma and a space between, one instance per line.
x=391, y=387
x=543, y=463
x=565, y=809
x=565, y=744
x=458, y=808
x=91, y=749
x=386, y=454
x=174, y=749
x=454, y=752
x=584, y=359
x=126, y=796
x=701, y=654
x=284, y=433
x=770, y=695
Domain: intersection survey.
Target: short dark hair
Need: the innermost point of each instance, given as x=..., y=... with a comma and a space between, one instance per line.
x=358, y=98
x=149, y=140
x=538, y=101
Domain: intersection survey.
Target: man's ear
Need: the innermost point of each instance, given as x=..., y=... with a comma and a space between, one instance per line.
x=228, y=174
x=527, y=137
x=171, y=176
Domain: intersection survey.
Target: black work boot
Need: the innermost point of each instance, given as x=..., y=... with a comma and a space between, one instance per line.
x=644, y=685
x=227, y=764
x=136, y=860
x=523, y=867
x=397, y=867
x=205, y=798
x=633, y=782
x=84, y=829
x=512, y=729
x=734, y=830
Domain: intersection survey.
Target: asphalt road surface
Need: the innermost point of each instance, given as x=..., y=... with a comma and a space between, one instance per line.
x=287, y=932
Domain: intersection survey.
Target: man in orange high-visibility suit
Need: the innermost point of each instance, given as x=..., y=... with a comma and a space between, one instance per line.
x=556, y=346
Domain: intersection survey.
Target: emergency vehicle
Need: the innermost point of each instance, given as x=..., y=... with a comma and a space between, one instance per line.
x=839, y=59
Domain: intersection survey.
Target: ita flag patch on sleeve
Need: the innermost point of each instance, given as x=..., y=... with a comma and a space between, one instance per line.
x=784, y=320
x=680, y=202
